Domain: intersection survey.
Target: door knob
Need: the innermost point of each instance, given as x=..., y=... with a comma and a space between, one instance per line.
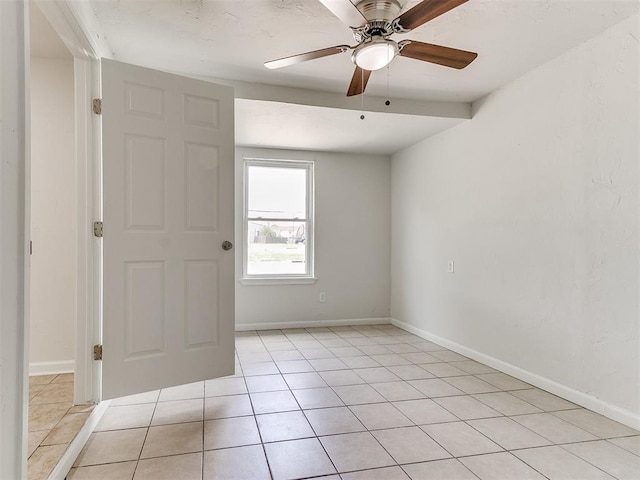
x=227, y=245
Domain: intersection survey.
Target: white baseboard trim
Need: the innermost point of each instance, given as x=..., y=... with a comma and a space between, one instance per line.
x=50, y=368
x=244, y=327
x=62, y=468
x=613, y=412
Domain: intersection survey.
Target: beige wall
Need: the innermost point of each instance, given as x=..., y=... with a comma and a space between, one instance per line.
x=53, y=187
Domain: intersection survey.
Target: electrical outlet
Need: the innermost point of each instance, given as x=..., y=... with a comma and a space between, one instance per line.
x=322, y=297
x=450, y=266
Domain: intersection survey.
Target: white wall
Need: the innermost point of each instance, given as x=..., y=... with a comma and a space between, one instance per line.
x=352, y=245
x=536, y=201
x=53, y=197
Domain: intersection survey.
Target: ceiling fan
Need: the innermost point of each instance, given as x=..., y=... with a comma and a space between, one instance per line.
x=372, y=23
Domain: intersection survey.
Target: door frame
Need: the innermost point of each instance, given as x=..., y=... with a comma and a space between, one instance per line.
x=86, y=51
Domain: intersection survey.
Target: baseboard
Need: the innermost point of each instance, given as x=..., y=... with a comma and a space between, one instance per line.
x=613, y=412
x=50, y=368
x=243, y=327
x=62, y=468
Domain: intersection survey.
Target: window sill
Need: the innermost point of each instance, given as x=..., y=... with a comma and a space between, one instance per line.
x=278, y=281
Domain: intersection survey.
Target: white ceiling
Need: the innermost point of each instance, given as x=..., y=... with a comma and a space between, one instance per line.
x=231, y=39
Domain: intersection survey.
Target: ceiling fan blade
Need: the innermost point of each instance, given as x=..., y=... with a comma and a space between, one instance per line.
x=358, y=82
x=346, y=12
x=427, y=52
x=425, y=11
x=303, y=57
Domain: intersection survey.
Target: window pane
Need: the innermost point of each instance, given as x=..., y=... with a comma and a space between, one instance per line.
x=277, y=192
x=277, y=248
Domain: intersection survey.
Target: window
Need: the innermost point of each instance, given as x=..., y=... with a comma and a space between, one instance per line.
x=278, y=220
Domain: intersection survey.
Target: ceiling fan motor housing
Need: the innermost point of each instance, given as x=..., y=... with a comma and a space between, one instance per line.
x=380, y=15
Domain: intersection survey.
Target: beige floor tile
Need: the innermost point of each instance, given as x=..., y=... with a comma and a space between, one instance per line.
x=225, y=386
x=504, y=381
x=344, y=352
x=402, y=348
x=556, y=463
x=315, y=353
x=146, y=397
x=241, y=463
x=34, y=440
x=459, y=439
x=500, y=466
x=126, y=416
x=434, y=387
x=294, y=366
x=46, y=416
x=266, y=383
x=449, y=356
x=466, y=407
x=230, y=432
x=262, y=368
x=297, y=381
x=506, y=404
x=275, y=427
x=335, y=342
x=473, y=367
x=361, y=361
x=377, y=416
x=41, y=379
x=227, y=406
x=336, y=378
x=391, y=359
x=419, y=358
x=545, y=401
x=630, y=444
x=66, y=430
x=35, y=389
x=43, y=460
x=175, y=439
x=111, y=447
x=310, y=459
x=397, y=391
x=328, y=364
x=330, y=421
x=425, y=411
x=273, y=402
x=470, y=384
x=443, y=370
x=554, y=428
x=614, y=460
x=54, y=393
x=178, y=411
x=410, y=445
x=286, y=356
x=183, y=467
x=110, y=471
x=356, y=451
x=596, y=424
x=183, y=392
x=82, y=408
x=358, y=394
x=376, y=375
x=508, y=434
x=384, y=473
x=63, y=378
x=376, y=349
x=317, y=398
x=440, y=469
x=409, y=372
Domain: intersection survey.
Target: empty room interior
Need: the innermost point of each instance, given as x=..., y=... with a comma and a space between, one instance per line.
x=409, y=253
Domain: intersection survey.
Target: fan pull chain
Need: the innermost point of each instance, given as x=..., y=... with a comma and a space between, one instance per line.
x=362, y=94
x=388, y=102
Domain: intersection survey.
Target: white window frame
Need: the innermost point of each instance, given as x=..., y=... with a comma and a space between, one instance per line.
x=283, y=279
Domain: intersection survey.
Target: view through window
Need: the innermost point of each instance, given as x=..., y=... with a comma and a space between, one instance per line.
x=278, y=220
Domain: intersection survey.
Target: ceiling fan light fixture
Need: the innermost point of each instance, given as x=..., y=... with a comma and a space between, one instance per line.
x=375, y=54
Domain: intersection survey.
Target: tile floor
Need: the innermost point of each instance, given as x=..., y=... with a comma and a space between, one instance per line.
x=355, y=403
x=53, y=421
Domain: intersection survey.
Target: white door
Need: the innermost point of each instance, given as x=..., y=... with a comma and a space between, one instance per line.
x=168, y=288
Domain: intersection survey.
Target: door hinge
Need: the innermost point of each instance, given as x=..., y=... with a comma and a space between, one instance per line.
x=97, y=352
x=97, y=106
x=97, y=229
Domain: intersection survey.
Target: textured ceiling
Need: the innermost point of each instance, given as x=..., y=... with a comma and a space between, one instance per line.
x=231, y=39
